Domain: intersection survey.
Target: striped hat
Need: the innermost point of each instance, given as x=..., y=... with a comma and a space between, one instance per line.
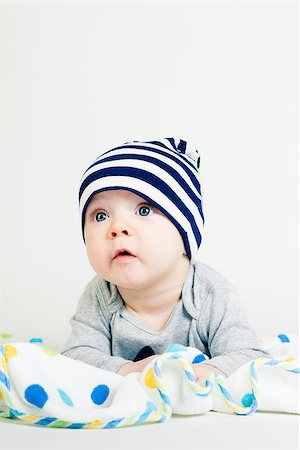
x=164, y=172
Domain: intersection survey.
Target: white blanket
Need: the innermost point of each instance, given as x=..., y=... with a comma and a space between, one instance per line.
x=40, y=386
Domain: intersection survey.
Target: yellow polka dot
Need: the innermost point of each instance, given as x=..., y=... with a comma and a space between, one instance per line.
x=9, y=352
x=150, y=379
x=1, y=396
x=290, y=359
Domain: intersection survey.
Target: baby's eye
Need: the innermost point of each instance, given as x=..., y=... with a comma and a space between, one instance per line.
x=100, y=216
x=145, y=210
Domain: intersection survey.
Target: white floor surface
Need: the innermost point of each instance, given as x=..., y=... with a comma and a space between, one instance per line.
x=211, y=430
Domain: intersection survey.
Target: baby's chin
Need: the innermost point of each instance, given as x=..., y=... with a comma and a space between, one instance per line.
x=131, y=284
x=132, y=281
x=122, y=275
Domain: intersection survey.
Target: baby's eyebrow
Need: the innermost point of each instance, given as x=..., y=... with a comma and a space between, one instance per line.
x=95, y=204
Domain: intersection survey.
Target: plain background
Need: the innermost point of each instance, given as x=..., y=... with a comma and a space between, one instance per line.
x=80, y=77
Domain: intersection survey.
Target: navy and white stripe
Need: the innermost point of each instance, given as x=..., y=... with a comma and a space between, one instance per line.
x=164, y=172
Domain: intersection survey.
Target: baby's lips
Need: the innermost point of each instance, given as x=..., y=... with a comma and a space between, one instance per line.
x=123, y=251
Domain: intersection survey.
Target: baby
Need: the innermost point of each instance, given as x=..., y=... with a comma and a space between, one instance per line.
x=142, y=221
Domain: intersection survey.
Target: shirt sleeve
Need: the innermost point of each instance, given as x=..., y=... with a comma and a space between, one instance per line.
x=90, y=339
x=226, y=331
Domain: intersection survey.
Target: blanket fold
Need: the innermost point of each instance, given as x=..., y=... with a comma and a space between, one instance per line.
x=40, y=386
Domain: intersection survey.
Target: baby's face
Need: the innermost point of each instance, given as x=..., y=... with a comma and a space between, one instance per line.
x=121, y=220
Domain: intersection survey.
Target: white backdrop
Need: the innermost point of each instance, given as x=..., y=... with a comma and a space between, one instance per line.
x=80, y=77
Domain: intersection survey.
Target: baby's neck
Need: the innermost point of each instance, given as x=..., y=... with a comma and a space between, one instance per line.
x=153, y=316
x=156, y=304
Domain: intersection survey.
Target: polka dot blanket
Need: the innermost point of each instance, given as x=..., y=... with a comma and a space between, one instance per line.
x=42, y=387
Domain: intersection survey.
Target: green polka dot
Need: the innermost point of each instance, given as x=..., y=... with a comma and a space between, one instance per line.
x=49, y=352
x=5, y=336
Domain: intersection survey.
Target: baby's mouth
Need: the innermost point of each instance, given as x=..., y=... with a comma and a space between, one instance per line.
x=123, y=255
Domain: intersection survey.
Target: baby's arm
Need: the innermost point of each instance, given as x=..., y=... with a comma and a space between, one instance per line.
x=224, y=327
x=90, y=339
x=137, y=366
x=92, y=346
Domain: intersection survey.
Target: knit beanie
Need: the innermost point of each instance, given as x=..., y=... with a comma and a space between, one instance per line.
x=164, y=172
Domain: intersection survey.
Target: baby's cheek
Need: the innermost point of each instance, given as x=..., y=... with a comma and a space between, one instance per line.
x=97, y=259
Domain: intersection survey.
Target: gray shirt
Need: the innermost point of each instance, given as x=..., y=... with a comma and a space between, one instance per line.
x=209, y=316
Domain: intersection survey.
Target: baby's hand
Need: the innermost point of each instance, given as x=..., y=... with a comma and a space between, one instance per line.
x=137, y=366
x=202, y=372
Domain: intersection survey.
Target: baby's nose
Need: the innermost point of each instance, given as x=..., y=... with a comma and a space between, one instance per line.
x=115, y=233
x=119, y=226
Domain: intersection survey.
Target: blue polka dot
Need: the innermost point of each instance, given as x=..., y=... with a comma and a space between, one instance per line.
x=33, y=340
x=65, y=398
x=36, y=395
x=198, y=358
x=283, y=338
x=248, y=399
x=100, y=394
